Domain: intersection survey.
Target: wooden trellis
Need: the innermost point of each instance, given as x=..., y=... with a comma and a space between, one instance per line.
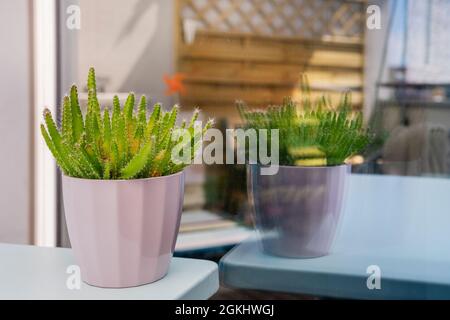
x=255, y=50
x=294, y=18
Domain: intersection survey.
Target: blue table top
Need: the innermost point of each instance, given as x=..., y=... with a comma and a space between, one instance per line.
x=401, y=225
x=28, y=272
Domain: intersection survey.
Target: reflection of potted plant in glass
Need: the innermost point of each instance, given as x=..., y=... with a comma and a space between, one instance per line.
x=123, y=192
x=297, y=210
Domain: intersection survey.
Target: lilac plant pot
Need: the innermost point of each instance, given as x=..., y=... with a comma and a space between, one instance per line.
x=297, y=210
x=123, y=232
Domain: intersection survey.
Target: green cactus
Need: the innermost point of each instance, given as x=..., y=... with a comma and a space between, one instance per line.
x=77, y=117
x=312, y=134
x=121, y=144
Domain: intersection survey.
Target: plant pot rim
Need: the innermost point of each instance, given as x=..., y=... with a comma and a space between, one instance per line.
x=124, y=180
x=307, y=167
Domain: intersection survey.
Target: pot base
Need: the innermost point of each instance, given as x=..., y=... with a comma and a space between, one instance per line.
x=129, y=276
x=111, y=286
x=288, y=247
x=283, y=253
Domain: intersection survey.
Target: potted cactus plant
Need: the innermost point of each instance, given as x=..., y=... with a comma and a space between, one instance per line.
x=122, y=191
x=297, y=210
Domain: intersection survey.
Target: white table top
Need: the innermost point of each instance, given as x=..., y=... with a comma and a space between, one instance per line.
x=28, y=272
x=400, y=224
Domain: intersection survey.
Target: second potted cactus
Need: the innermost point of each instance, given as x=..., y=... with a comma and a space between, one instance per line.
x=122, y=191
x=297, y=210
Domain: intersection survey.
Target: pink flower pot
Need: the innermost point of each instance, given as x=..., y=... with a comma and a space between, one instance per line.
x=123, y=232
x=297, y=210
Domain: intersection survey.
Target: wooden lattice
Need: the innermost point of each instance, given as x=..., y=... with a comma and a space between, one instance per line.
x=256, y=50
x=289, y=18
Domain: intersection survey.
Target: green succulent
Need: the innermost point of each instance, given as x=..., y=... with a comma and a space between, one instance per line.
x=123, y=143
x=312, y=134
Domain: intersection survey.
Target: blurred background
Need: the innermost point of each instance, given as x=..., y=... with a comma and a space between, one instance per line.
x=208, y=54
